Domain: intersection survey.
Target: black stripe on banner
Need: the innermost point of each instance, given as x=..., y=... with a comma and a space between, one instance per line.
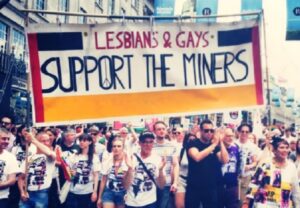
x=293, y=35
x=234, y=37
x=59, y=41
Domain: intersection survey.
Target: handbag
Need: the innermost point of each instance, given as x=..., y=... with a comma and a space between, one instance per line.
x=145, y=168
x=64, y=192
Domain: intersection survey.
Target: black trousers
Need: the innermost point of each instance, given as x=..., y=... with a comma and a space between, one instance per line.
x=207, y=197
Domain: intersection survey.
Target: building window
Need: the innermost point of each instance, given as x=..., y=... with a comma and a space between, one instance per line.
x=3, y=35
x=82, y=19
x=18, y=44
x=123, y=11
x=99, y=3
x=135, y=4
x=111, y=7
x=64, y=7
x=40, y=4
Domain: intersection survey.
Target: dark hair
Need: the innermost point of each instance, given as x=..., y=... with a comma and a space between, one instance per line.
x=186, y=139
x=10, y=116
x=109, y=143
x=19, y=137
x=159, y=122
x=146, y=134
x=276, y=141
x=205, y=121
x=91, y=150
x=53, y=131
x=245, y=124
x=297, y=148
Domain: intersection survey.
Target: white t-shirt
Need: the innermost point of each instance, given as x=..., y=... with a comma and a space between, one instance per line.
x=12, y=139
x=40, y=171
x=143, y=191
x=83, y=180
x=114, y=178
x=167, y=150
x=20, y=153
x=248, y=151
x=8, y=165
x=273, y=187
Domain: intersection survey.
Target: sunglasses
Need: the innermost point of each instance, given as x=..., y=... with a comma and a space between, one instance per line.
x=208, y=130
x=94, y=134
x=177, y=133
x=148, y=142
x=5, y=138
x=5, y=123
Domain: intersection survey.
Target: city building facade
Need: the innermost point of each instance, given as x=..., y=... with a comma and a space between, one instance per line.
x=14, y=88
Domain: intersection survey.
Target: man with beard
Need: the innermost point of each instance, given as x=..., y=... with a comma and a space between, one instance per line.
x=205, y=156
x=8, y=168
x=142, y=187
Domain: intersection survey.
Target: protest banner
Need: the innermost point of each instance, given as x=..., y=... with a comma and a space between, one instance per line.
x=293, y=20
x=84, y=73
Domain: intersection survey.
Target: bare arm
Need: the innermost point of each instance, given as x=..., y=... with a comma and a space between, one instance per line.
x=223, y=154
x=101, y=189
x=11, y=180
x=175, y=164
x=127, y=180
x=197, y=155
x=21, y=185
x=161, y=180
x=133, y=134
x=43, y=148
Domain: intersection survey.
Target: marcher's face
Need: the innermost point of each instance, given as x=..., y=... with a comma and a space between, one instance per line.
x=147, y=145
x=160, y=130
x=94, y=135
x=70, y=137
x=123, y=134
x=117, y=147
x=229, y=135
x=244, y=133
x=4, y=140
x=51, y=136
x=6, y=123
x=293, y=145
x=282, y=151
x=45, y=139
x=207, y=132
x=179, y=135
x=84, y=143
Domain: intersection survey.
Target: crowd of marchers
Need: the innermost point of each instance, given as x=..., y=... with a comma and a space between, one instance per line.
x=161, y=167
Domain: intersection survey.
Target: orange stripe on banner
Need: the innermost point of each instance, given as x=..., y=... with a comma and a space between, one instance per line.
x=131, y=104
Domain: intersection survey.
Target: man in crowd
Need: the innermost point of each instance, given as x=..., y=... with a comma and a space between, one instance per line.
x=7, y=123
x=38, y=172
x=8, y=167
x=230, y=171
x=165, y=148
x=142, y=189
x=249, y=158
x=205, y=156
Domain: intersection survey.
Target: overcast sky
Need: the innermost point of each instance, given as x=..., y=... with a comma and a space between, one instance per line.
x=282, y=56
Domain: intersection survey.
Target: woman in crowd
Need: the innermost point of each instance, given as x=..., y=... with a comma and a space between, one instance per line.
x=19, y=150
x=297, y=162
x=183, y=171
x=85, y=170
x=114, y=172
x=275, y=183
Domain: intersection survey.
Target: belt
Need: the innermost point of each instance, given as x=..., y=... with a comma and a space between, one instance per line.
x=183, y=177
x=230, y=185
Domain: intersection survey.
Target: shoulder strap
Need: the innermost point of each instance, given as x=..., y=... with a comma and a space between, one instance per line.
x=181, y=154
x=145, y=168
